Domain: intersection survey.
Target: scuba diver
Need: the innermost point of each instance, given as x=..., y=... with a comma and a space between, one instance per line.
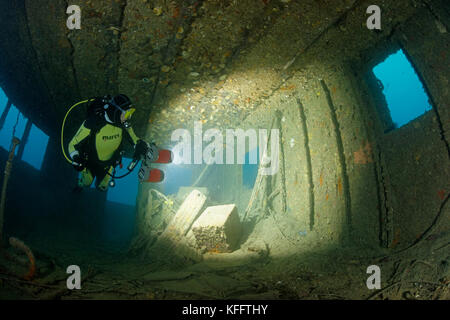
x=97, y=147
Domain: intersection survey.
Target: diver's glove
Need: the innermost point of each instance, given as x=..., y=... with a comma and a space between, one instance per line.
x=140, y=149
x=77, y=161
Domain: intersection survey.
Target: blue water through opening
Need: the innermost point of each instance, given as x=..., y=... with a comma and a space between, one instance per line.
x=405, y=95
x=35, y=148
x=36, y=145
x=126, y=188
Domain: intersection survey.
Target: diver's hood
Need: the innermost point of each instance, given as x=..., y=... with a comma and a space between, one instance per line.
x=118, y=109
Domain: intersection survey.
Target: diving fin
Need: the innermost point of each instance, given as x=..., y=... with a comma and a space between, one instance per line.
x=147, y=174
x=164, y=156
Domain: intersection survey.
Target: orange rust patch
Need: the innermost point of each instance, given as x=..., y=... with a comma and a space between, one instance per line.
x=339, y=186
x=216, y=249
x=396, y=240
x=326, y=197
x=291, y=87
x=441, y=194
x=176, y=13
x=321, y=179
x=94, y=14
x=364, y=154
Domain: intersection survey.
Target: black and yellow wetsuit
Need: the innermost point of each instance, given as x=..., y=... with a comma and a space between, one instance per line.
x=100, y=144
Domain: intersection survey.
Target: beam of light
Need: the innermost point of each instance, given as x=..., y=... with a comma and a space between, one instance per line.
x=249, y=171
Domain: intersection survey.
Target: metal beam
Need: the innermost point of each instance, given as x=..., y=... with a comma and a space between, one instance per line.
x=25, y=136
x=5, y=114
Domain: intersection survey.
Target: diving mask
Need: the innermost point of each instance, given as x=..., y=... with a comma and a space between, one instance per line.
x=125, y=114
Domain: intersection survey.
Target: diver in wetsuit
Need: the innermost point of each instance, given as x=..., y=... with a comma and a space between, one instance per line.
x=96, y=148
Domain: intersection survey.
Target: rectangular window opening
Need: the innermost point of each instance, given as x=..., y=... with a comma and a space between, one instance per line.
x=35, y=147
x=6, y=134
x=404, y=92
x=15, y=123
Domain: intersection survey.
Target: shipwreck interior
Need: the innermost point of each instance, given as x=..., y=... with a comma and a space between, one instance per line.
x=357, y=182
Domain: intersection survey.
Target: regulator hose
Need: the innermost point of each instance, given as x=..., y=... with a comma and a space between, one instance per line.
x=63, y=124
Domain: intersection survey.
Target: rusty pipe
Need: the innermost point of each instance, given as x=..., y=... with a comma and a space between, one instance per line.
x=8, y=167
